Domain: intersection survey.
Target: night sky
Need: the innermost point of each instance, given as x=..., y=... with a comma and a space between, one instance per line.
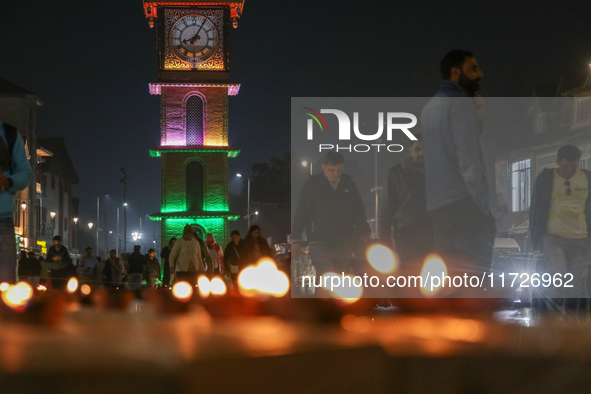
x=91, y=63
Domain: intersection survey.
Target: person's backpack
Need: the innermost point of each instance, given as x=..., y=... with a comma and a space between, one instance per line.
x=10, y=132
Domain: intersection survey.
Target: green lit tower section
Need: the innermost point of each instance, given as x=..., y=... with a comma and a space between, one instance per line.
x=193, y=84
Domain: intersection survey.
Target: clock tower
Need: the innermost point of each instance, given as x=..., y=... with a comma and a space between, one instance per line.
x=193, y=84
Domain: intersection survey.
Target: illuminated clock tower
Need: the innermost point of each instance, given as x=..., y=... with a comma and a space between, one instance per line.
x=193, y=84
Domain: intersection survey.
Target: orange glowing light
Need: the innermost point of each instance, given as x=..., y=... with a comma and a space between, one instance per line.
x=382, y=258
x=4, y=286
x=41, y=288
x=433, y=269
x=218, y=287
x=72, y=285
x=204, y=286
x=17, y=297
x=85, y=290
x=182, y=291
x=343, y=292
x=356, y=323
x=263, y=279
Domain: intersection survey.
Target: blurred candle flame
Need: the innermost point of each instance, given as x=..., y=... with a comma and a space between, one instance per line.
x=4, y=286
x=41, y=288
x=85, y=290
x=182, y=291
x=17, y=297
x=344, y=294
x=263, y=279
x=433, y=266
x=204, y=286
x=382, y=258
x=218, y=287
x=72, y=285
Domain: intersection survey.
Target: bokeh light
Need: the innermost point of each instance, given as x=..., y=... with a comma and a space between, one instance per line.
x=382, y=258
x=263, y=279
x=182, y=291
x=17, y=297
x=217, y=286
x=72, y=285
x=204, y=286
x=85, y=290
x=433, y=266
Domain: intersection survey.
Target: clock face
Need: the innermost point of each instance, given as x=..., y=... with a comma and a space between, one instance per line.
x=194, y=38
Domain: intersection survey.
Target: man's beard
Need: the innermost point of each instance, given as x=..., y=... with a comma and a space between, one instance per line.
x=470, y=85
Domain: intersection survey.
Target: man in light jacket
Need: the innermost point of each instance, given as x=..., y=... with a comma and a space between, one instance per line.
x=185, y=258
x=455, y=170
x=15, y=174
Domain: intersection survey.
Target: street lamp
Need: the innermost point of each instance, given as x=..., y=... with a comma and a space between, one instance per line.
x=24, y=207
x=248, y=202
x=76, y=237
x=305, y=164
x=90, y=225
x=52, y=214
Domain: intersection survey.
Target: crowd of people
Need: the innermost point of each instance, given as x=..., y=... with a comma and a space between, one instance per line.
x=183, y=259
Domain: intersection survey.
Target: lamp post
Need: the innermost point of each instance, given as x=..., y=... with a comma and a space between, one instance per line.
x=90, y=224
x=305, y=164
x=76, y=237
x=52, y=214
x=248, y=202
x=98, y=223
x=24, y=207
x=124, y=227
x=124, y=182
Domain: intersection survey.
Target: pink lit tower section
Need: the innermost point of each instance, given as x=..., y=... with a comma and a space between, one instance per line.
x=193, y=84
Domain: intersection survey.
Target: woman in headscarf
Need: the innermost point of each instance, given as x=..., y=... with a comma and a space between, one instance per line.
x=256, y=246
x=216, y=253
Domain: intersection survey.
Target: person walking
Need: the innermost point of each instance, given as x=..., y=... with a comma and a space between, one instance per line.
x=216, y=254
x=205, y=256
x=152, y=269
x=61, y=264
x=256, y=246
x=165, y=255
x=137, y=266
x=15, y=175
x=34, y=270
x=88, y=268
x=113, y=271
x=45, y=268
x=403, y=215
x=24, y=267
x=186, y=261
x=455, y=170
x=235, y=259
x=332, y=215
x=560, y=224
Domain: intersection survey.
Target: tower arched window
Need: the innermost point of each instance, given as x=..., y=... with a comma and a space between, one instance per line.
x=194, y=186
x=194, y=121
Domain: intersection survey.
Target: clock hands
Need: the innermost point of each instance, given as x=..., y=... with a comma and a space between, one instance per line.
x=195, y=37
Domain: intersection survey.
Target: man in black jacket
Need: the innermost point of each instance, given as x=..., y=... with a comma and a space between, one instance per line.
x=61, y=264
x=137, y=266
x=331, y=212
x=560, y=221
x=403, y=211
x=152, y=269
